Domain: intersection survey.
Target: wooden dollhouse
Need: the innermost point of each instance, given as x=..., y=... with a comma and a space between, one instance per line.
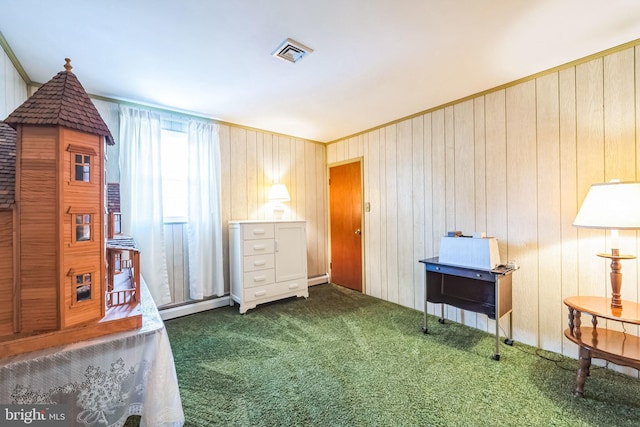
x=53, y=251
x=123, y=257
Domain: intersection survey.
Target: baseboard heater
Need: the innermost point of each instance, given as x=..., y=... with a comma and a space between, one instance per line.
x=193, y=308
x=318, y=280
x=197, y=307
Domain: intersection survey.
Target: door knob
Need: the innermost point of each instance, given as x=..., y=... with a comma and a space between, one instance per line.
x=358, y=232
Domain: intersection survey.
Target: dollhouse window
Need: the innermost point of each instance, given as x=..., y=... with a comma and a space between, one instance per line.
x=82, y=167
x=81, y=158
x=82, y=285
x=117, y=263
x=82, y=227
x=117, y=223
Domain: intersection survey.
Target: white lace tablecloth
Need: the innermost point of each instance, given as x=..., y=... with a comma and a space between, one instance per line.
x=103, y=380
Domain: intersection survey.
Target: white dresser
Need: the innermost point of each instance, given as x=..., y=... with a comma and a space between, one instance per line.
x=268, y=261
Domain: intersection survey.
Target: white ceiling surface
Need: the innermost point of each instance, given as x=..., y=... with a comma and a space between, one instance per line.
x=374, y=61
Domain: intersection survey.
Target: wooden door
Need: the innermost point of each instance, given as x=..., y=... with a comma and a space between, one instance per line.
x=345, y=211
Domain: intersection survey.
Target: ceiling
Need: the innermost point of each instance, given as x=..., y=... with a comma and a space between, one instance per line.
x=374, y=61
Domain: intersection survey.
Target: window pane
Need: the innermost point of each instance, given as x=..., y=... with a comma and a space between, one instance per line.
x=82, y=168
x=83, y=227
x=174, y=175
x=83, y=233
x=79, y=173
x=83, y=293
x=83, y=287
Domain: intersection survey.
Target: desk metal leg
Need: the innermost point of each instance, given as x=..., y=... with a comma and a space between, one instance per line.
x=425, y=330
x=424, y=327
x=496, y=355
x=509, y=339
x=441, y=319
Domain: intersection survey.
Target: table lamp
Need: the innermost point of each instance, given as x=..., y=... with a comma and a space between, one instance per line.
x=614, y=206
x=277, y=194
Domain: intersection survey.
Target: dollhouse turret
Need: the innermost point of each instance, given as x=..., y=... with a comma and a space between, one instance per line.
x=60, y=199
x=59, y=254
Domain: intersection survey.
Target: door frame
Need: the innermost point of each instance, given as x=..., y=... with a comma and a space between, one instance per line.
x=363, y=225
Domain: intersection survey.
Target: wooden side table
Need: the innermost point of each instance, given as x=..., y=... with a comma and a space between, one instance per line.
x=617, y=347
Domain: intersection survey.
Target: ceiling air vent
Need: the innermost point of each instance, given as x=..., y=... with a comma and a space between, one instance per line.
x=291, y=50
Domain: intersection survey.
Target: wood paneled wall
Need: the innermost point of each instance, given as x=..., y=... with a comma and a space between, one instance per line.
x=13, y=89
x=515, y=162
x=251, y=161
x=13, y=92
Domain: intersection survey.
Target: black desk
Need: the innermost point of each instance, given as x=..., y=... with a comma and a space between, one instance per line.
x=481, y=291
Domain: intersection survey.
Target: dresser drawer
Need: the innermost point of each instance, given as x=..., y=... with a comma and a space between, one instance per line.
x=258, y=262
x=285, y=289
x=258, y=278
x=257, y=231
x=260, y=246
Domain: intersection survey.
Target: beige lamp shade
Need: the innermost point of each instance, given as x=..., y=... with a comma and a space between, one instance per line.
x=613, y=205
x=279, y=193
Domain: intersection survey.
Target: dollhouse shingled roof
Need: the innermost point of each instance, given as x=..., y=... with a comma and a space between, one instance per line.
x=7, y=166
x=113, y=197
x=62, y=101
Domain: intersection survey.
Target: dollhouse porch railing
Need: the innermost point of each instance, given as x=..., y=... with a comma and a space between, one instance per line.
x=121, y=297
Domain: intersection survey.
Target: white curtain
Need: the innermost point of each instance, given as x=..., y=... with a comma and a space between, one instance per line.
x=205, y=219
x=141, y=195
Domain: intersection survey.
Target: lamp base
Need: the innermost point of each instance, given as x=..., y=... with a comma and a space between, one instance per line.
x=616, y=276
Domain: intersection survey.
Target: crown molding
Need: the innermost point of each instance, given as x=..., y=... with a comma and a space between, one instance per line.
x=12, y=57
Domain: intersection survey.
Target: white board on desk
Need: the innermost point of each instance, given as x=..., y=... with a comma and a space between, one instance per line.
x=480, y=253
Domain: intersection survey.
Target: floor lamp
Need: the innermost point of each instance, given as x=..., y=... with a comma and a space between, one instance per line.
x=613, y=206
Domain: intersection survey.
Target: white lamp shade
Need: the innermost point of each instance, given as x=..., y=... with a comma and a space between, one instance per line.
x=613, y=205
x=279, y=193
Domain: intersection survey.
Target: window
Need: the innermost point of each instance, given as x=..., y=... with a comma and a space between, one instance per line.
x=82, y=227
x=114, y=225
x=82, y=167
x=117, y=264
x=173, y=139
x=81, y=158
x=117, y=223
x=83, y=287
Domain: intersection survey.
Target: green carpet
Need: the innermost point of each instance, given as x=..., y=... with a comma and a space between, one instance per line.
x=340, y=358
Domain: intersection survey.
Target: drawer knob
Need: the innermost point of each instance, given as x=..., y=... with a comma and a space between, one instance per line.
x=259, y=263
x=258, y=231
x=260, y=293
x=293, y=286
x=258, y=247
x=260, y=278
